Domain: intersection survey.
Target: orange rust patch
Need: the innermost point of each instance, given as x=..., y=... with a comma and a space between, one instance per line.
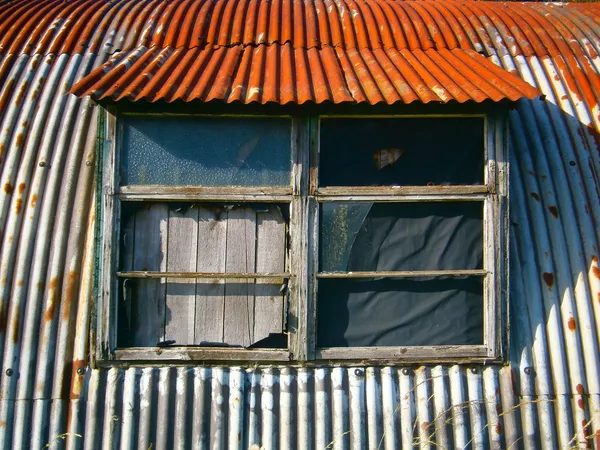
x=498, y=428
x=71, y=278
x=19, y=205
x=596, y=271
x=8, y=188
x=572, y=324
x=19, y=139
x=21, y=94
x=553, y=211
x=594, y=258
x=20, y=283
x=425, y=425
x=581, y=403
x=548, y=279
x=39, y=285
x=21, y=188
x=49, y=314
x=15, y=330
x=33, y=200
x=535, y=196
x=76, y=379
x=580, y=390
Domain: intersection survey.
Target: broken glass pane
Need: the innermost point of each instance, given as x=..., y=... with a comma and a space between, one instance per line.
x=400, y=312
x=401, y=151
x=205, y=151
x=401, y=236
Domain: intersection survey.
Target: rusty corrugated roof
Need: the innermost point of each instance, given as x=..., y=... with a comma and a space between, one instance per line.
x=284, y=74
x=287, y=51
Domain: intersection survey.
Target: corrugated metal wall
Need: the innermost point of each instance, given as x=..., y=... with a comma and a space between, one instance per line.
x=547, y=397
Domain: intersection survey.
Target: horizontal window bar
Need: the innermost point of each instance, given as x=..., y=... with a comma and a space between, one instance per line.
x=425, y=353
x=215, y=190
x=404, y=190
x=233, y=198
x=403, y=274
x=403, y=198
x=148, y=274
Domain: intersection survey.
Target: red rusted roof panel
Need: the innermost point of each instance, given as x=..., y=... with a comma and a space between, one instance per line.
x=43, y=26
x=284, y=74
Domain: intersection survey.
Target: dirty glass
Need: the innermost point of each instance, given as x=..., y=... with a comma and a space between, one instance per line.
x=401, y=151
x=400, y=312
x=205, y=151
x=362, y=236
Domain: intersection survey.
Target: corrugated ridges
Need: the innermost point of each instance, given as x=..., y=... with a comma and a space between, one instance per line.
x=283, y=74
x=548, y=393
x=43, y=26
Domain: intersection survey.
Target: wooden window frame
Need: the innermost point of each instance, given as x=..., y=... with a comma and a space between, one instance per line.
x=304, y=197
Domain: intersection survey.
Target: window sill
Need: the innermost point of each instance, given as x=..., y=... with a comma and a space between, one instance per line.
x=185, y=354
x=428, y=353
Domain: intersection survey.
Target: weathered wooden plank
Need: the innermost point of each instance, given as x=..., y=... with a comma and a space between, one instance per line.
x=181, y=293
x=126, y=264
x=274, y=277
x=404, y=274
x=151, y=224
x=210, y=293
x=239, y=293
x=270, y=257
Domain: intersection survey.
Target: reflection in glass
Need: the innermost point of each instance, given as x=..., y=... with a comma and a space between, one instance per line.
x=401, y=151
x=205, y=151
x=401, y=236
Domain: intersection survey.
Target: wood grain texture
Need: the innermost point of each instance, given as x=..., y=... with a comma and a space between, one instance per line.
x=151, y=226
x=181, y=293
x=210, y=293
x=239, y=293
x=270, y=257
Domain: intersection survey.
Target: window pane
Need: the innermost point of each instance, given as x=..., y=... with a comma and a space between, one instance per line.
x=400, y=312
x=396, y=152
x=401, y=236
x=210, y=238
x=205, y=151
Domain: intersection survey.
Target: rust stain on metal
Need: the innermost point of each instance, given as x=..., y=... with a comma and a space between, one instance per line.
x=20, y=283
x=535, y=196
x=572, y=324
x=71, y=279
x=553, y=210
x=19, y=140
x=21, y=188
x=18, y=205
x=8, y=188
x=15, y=324
x=548, y=279
x=34, y=198
x=580, y=403
x=49, y=314
x=77, y=380
x=580, y=389
x=498, y=428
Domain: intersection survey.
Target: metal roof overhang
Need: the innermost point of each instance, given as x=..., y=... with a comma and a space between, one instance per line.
x=282, y=74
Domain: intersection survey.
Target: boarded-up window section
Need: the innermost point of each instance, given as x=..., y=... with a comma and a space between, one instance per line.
x=203, y=238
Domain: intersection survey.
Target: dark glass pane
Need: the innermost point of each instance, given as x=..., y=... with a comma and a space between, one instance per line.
x=205, y=151
x=400, y=312
x=401, y=236
x=396, y=152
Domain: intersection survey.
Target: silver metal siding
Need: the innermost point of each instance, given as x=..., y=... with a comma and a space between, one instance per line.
x=548, y=396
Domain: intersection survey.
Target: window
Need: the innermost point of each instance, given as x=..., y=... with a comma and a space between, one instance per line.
x=287, y=238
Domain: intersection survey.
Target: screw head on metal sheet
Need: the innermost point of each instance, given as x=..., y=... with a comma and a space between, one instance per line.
x=80, y=371
x=43, y=164
x=473, y=369
x=406, y=372
x=358, y=372
x=528, y=370
x=572, y=163
x=88, y=163
x=9, y=372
